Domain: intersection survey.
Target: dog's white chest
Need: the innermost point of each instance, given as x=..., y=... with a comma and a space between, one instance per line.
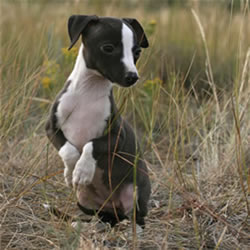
x=82, y=115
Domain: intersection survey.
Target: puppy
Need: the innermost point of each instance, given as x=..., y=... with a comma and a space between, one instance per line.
x=98, y=147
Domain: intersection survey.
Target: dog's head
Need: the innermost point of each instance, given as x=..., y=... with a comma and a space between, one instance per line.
x=111, y=46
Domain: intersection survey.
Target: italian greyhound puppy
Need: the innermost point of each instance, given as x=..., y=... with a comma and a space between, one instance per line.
x=98, y=147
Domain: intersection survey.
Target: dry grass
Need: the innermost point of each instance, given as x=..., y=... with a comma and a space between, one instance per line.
x=197, y=150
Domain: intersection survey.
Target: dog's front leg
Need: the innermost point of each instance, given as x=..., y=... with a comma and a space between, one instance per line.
x=84, y=171
x=70, y=155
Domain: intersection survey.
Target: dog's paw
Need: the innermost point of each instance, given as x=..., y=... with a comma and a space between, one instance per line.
x=68, y=176
x=70, y=156
x=84, y=171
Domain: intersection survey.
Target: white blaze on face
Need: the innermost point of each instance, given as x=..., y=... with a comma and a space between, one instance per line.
x=128, y=44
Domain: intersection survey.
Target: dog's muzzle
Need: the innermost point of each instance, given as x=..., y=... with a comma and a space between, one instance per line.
x=131, y=78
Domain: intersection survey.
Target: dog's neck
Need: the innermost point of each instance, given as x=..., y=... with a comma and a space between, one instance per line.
x=84, y=79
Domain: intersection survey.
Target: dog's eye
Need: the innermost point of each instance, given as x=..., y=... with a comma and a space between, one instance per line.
x=137, y=52
x=108, y=48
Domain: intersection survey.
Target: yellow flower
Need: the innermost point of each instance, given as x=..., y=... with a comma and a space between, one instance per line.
x=51, y=67
x=151, y=83
x=157, y=80
x=151, y=27
x=152, y=22
x=65, y=51
x=70, y=54
x=148, y=83
x=74, y=51
x=46, y=82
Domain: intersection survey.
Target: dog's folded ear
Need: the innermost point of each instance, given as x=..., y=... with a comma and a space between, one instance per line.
x=142, y=39
x=77, y=24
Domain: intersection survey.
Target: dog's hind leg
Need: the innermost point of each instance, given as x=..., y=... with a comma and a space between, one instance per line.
x=144, y=191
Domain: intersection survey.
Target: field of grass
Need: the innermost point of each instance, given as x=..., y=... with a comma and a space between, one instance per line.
x=191, y=111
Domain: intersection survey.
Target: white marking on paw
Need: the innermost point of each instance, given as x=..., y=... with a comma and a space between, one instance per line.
x=84, y=171
x=128, y=43
x=70, y=156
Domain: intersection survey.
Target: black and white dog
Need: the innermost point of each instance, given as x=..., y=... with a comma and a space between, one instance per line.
x=99, y=150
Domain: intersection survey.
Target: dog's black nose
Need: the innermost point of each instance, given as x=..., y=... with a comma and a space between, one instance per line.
x=131, y=78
